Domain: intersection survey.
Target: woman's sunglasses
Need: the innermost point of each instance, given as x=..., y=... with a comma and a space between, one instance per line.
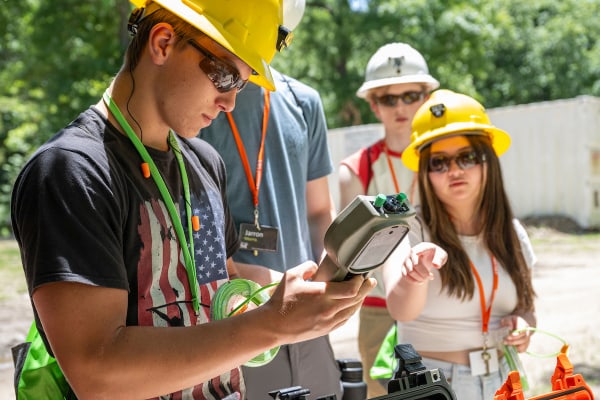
x=222, y=74
x=390, y=100
x=465, y=159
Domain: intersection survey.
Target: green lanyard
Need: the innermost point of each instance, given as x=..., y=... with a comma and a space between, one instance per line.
x=190, y=264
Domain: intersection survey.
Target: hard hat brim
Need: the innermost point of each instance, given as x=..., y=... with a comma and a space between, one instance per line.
x=425, y=79
x=500, y=140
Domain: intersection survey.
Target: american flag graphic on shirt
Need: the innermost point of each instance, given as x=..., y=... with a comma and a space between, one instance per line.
x=209, y=243
x=163, y=288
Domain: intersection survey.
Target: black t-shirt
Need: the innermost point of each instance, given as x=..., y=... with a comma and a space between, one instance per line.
x=83, y=212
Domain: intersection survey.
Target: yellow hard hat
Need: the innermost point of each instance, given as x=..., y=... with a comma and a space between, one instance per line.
x=252, y=30
x=447, y=113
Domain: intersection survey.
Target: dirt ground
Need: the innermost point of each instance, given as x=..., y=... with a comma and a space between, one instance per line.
x=566, y=278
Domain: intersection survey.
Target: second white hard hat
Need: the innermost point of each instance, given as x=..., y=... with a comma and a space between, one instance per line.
x=293, y=10
x=396, y=63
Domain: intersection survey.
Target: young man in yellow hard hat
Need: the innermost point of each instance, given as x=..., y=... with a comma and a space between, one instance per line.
x=124, y=229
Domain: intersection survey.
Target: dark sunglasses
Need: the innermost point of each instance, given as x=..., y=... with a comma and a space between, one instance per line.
x=390, y=100
x=465, y=159
x=222, y=74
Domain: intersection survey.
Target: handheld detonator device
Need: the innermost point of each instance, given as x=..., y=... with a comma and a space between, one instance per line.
x=365, y=233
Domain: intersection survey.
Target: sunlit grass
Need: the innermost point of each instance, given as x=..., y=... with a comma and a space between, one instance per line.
x=11, y=271
x=580, y=242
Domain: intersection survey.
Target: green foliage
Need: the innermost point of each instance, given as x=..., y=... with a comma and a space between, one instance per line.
x=501, y=52
x=56, y=57
x=546, y=50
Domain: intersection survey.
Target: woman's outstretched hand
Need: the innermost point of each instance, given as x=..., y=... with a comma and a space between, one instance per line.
x=422, y=258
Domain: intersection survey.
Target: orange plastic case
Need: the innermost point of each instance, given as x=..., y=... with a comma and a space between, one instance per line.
x=565, y=384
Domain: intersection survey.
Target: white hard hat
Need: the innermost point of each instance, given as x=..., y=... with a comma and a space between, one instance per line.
x=293, y=10
x=396, y=63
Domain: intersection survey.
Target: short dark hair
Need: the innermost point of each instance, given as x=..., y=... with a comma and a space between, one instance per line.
x=182, y=29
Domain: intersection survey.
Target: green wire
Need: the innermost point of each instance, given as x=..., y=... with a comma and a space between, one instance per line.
x=252, y=292
x=190, y=262
x=251, y=297
x=539, y=355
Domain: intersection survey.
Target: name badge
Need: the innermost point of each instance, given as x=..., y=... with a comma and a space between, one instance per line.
x=483, y=362
x=254, y=239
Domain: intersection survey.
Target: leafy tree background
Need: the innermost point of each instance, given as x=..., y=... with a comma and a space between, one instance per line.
x=57, y=57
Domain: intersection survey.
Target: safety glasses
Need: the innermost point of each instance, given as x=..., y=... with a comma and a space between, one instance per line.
x=222, y=74
x=465, y=159
x=390, y=100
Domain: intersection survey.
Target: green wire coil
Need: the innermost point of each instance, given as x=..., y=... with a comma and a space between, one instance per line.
x=539, y=355
x=233, y=297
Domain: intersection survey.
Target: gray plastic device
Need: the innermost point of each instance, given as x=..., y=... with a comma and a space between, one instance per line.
x=364, y=234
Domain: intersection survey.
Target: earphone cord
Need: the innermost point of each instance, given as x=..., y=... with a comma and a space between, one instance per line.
x=190, y=264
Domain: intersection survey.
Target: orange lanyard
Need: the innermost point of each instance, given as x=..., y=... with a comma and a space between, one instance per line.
x=391, y=167
x=486, y=313
x=395, y=180
x=253, y=183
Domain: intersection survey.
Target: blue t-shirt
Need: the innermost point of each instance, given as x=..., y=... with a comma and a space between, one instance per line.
x=295, y=151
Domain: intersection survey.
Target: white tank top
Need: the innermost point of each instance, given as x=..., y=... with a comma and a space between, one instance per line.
x=450, y=324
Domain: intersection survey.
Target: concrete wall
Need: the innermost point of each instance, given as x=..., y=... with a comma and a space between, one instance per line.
x=551, y=168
